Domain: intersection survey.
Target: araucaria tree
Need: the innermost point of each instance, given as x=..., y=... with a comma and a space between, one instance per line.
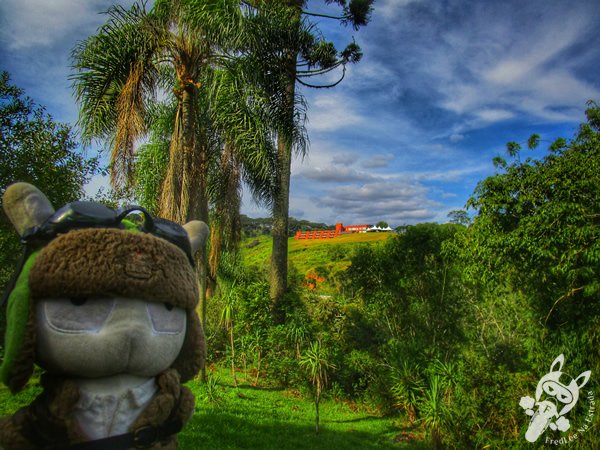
x=289, y=50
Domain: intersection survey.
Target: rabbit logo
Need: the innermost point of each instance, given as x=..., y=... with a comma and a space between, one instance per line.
x=556, y=394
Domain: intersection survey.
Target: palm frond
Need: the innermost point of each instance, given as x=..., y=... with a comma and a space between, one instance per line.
x=115, y=74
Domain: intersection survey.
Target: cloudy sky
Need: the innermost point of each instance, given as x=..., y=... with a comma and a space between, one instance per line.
x=407, y=135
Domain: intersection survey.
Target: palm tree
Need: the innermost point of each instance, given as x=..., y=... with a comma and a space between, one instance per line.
x=316, y=364
x=119, y=74
x=238, y=114
x=123, y=67
x=234, y=130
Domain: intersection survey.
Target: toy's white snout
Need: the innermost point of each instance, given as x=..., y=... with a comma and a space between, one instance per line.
x=100, y=337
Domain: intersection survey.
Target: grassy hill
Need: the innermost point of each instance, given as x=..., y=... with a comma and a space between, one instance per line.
x=319, y=260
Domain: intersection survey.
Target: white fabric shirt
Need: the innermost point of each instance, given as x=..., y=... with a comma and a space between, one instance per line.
x=108, y=407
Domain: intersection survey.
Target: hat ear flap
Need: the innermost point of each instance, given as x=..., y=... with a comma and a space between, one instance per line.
x=191, y=356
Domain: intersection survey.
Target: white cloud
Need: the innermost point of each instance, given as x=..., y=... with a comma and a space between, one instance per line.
x=488, y=62
x=387, y=9
x=333, y=111
x=334, y=174
x=38, y=23
x=493, y=115
x=344, y=159
x=395, y=201
x=378, y=161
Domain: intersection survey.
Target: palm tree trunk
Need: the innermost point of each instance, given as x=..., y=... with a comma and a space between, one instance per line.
x=281, y=202
x=175, y=197
x=317, y=401
x=280, y=233
x=183, y=197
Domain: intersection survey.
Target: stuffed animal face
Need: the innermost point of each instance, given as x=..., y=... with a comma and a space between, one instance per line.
x=100, y=337
x=102, y=298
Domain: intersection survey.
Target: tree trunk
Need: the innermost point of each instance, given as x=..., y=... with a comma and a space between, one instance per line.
x=175, y=196
x=257, y=368
x=201, y=266
x=183, y=197
x=280, y=234
x=317, y=401
x=279, y=257
x=232, y=354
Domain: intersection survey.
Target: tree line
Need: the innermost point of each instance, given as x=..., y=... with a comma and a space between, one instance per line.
x=212, y=83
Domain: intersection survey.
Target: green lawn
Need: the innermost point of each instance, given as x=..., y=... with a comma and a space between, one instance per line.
x=268, y=418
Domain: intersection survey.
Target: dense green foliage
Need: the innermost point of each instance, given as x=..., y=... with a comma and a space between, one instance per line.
x=35, y=149
x=451, y=324
x=532, y=259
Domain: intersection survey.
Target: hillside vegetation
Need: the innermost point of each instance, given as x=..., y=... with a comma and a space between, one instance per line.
x=445, y=326
x=316, y=261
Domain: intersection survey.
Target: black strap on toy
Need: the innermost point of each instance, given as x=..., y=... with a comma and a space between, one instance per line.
x=143, y=437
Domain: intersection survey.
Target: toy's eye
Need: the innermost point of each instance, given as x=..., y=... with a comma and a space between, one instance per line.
x=166, y=318
x=76, y=315
x=78, y=301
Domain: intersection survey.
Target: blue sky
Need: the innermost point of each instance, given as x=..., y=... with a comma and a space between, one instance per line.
x=407, y=135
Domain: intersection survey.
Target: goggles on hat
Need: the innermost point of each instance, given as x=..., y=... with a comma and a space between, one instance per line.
x=82, y=214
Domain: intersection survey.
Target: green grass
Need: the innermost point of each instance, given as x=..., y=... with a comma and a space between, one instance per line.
x=325, y=256
x=267, y=418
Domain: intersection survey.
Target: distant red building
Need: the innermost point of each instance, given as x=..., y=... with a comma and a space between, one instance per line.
x=328, y=234
x=355, y=228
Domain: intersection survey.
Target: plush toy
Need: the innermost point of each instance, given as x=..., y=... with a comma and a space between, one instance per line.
x=105, y=303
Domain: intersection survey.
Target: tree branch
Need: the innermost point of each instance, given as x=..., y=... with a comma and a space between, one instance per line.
x=316, y=72
x=326, y=16
x=324, y=86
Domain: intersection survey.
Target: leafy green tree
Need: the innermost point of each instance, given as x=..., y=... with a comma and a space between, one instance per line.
x=35, y=149
x=537, y=224
x=414, y=289
x=288, y=49
x=459, y=216
x=531, y=253
x=382, y=224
